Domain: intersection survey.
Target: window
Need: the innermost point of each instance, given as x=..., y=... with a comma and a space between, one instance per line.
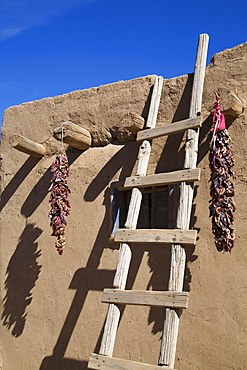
x=154, y=212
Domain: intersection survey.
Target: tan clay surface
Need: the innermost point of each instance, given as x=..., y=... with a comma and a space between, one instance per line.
x=52, y=315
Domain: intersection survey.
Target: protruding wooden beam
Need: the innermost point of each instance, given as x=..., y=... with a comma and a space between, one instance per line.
x=73, y=135
x=230, y=103
x=27, y=146
x=133, y=122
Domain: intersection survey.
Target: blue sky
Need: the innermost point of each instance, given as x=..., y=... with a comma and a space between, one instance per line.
x=49, y=48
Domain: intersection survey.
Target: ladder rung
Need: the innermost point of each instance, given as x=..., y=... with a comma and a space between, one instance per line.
x=101, y=362
x=146, y=298
x=159, y=179
x=167, y=129
x=156, y=236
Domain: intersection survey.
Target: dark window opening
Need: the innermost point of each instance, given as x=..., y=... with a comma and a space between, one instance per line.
x=154, y=212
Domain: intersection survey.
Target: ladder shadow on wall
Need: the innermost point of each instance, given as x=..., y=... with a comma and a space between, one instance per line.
x=40, y=190
x=91, y=278
x=23, y=268
x=17, y=180
x=21, y=275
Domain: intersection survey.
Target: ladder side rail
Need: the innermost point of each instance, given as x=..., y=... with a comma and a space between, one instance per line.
x=124, y=258
x=155, y=102
x=178, y=257
x=136, y=193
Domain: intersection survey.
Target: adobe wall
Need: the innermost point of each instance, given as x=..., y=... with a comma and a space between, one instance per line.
x=52, y=315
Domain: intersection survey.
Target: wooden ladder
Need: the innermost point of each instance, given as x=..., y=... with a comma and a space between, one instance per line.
x=174, y=299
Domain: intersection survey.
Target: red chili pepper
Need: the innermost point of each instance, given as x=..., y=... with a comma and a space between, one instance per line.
x=60, y=206
x=221, y=162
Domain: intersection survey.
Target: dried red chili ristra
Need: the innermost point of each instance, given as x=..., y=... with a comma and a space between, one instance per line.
x=221, y=161
x=60, y=206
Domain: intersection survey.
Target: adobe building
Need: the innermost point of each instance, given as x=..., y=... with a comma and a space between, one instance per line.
x=52, y=316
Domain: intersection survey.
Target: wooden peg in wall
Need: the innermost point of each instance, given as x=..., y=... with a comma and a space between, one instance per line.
x=73, y=135
x=133, y=122
x=27, y=146
x=230, y=103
